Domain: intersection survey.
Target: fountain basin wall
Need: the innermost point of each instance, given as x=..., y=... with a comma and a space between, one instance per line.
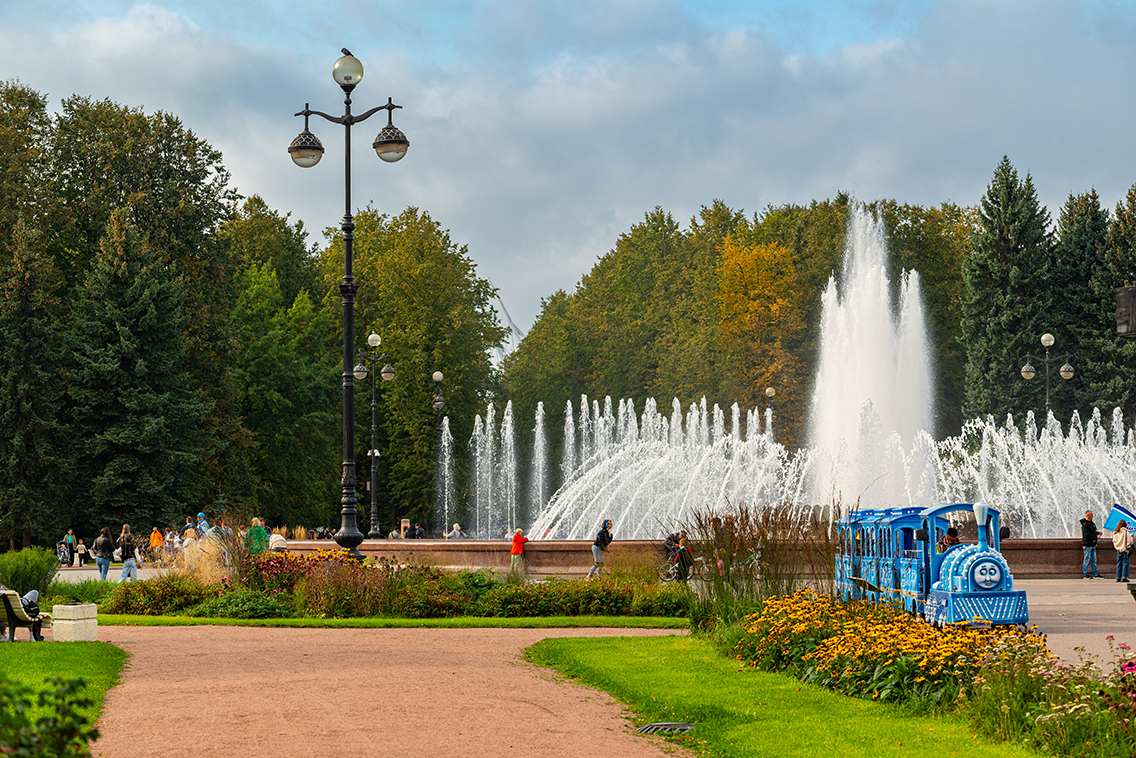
x=1027, y=557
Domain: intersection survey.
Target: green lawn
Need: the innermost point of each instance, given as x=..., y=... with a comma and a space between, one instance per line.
x=746, y=713
x=460, y=622
x=97, y=663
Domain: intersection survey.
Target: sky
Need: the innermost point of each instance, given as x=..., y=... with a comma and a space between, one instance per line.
x=541, y=130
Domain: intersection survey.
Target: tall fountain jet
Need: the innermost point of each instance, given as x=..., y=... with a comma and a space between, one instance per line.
x=874, y=375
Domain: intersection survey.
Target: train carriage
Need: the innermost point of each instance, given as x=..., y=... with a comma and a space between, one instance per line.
x=897, y=555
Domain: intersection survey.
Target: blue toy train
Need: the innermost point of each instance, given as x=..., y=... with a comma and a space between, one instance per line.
x=901, y=555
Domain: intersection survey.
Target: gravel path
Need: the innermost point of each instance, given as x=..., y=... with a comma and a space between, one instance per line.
x=194, y=691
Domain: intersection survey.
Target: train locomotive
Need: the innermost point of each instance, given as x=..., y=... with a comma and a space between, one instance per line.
x=898, y=555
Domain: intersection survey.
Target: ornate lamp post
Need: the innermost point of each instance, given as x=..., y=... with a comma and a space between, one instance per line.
x=1066, y=370
x=387, y=373
x=306, y=150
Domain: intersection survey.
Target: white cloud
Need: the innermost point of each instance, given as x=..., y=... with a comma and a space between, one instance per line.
x=541, y=131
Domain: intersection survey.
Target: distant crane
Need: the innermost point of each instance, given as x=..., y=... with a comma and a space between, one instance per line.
x=512, y=340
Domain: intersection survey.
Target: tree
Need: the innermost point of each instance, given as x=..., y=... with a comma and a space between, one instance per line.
x=1110, y=360
x=174, y=189
x=761, y=329
x=31, y=434
x=1007, y=304
x=288, y=391
x=1079, y=322
x=131, y=399
x=258, y=235
x=420, y=292
x=25, y=129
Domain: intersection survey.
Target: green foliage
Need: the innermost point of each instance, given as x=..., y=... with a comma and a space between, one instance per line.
x=420, y=292
x=31, y=433
x=288, y=402
x=1008, y=302
x=166, y=594
x=32, y=568
x=63, y=731
x=25, y=133
x=245, y=604
x=259, y=237
x=86, y=591
x=131, y=398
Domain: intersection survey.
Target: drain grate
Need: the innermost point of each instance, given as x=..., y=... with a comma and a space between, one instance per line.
x=666, y=726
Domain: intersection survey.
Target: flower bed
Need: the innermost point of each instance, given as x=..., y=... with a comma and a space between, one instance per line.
x=1004, y=680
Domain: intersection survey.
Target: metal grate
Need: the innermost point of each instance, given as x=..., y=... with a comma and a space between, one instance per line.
x=666, y=726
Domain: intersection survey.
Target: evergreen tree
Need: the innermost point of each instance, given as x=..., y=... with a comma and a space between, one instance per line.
x=1111, y=380
x=132, y=404
x=1007, y=304
x=289, y=388
x=31, y=435
x=25, y=129
x=1079, y=322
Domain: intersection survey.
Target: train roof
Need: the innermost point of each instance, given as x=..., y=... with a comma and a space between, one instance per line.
x=913, y=513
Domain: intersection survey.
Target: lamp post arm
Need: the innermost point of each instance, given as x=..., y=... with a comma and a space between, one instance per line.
x=333, y=119
x=349, y=119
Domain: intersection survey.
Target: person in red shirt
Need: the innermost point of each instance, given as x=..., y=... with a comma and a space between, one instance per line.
x=517, y=565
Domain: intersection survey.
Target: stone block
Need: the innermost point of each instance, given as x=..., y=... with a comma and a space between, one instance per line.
x=75, y=623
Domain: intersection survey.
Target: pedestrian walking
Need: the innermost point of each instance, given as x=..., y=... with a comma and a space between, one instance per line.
x=129, y=553
x=603, y=539
x=103, y=548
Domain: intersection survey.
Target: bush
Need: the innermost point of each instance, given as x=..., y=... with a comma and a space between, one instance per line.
x=558, y=598
x=32, y=568
x=63, y=732
x=86, y=591
x=245, y=604
x=166, y=595
x=348, y=589
x=671, y=600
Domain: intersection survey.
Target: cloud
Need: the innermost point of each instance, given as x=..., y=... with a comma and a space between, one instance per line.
x=542, y=130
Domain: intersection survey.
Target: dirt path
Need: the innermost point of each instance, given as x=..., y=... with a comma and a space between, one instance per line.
x=194, y=691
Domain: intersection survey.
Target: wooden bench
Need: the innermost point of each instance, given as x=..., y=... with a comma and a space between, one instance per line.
x=17, y=617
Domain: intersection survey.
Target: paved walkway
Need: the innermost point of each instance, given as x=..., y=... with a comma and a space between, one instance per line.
x=1081, y=613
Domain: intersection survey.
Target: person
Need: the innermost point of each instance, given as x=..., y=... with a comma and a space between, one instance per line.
x=256, y=538
x=1122, y=541
x=30, y=602
x=202, y=525
x=678, y=553
x=419, y=532
x=517, y=563
x=81, y=553
x=1089, y=535
x=395, y=534
x=69, y=541
x=156, y=542
x=103, y=548
x=129, y=555
x=187, y=525
x=603, y=539
x=277, y=543
x=949, y=540
x=456, y=533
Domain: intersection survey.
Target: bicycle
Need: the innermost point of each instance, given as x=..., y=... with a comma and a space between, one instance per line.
x=746, y=567
x=668, y=570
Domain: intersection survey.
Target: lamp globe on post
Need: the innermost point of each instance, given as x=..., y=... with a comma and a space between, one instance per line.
x=306, y=151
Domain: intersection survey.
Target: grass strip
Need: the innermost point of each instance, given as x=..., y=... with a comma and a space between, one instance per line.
x=459, y=622
x=743, y=712
x=99, y=664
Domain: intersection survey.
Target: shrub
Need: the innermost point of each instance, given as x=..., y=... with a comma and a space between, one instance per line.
x=32, y=568
x=673, y=600
x=165, y=595
x=245, y=604
x=348, y=589
x=441, y=597
x=559, y=598
x=86, y=591
x=63, y=732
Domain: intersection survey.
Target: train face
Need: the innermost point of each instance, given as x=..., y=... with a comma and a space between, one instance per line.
x=904, y=555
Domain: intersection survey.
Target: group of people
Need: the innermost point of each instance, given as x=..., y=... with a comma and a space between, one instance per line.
x=1121, y=540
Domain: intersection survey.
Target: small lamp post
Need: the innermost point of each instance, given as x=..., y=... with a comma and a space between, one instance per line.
x=439, y=405
x=387, y=373
x=306, y=150
x=1028, y=370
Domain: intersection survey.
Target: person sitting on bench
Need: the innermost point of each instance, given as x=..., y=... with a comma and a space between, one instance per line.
x=30, y=603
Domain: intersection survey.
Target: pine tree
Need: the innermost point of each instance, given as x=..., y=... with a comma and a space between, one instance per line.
x=31, y=436
x=1078, y=323
x=132, y=406
x=1111, y=382
x=1006, y=304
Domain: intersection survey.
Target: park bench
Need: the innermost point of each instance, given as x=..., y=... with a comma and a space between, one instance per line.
x=17, y=617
